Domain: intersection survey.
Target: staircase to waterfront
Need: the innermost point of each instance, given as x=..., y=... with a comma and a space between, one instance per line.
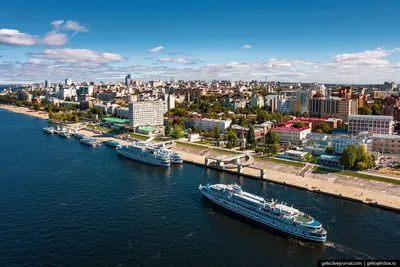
x=305, y=170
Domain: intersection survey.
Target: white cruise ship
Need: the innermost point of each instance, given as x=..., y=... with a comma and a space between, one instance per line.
x=174, y=157
x=141, y=152
x=268, y=212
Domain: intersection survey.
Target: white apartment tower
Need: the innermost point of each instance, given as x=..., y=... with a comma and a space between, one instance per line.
x=146, y=113
x=68, y=82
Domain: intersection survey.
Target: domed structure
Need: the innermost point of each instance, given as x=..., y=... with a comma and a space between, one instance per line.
x=318, y=95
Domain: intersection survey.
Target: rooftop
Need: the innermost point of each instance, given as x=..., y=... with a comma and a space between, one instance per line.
x=386, y=136
x=290, y=129
x=116, y=120
x=375, y=117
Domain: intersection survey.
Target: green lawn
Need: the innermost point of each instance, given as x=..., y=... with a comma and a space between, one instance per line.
x=216, y=149
x=138, y=136
x=99, y=128
x=296, y=164
x=190, y=145
x=360, y=175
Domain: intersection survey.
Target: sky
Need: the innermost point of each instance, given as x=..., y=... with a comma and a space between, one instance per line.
x=324, y=41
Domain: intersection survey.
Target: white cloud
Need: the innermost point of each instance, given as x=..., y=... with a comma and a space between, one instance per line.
x=82, y=64
x=55, y=38
x=175, y=60
x=14, y=37
x=56, y=24
x=77, y=55
x=369, y=57
x=155, y=49
x=247, y=46
x=71, y=25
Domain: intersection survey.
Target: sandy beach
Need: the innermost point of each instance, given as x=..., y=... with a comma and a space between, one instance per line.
x=27, y=111
x=358, y=189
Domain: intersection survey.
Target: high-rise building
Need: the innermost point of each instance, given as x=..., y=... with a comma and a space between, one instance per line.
x=127, y=79
x=170, y=100
x=371, y=123
x=46, y=84
x=333, y=107
x=287, y=105
x=302, y=100
x=68, y=82
x=146, y=113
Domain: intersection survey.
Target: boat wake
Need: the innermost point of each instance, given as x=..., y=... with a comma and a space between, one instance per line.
x=347, y=250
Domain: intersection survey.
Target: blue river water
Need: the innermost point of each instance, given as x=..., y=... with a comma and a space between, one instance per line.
x=65, y=204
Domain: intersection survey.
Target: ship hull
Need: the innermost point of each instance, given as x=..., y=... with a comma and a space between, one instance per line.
x=231, y=207
x=143, y=159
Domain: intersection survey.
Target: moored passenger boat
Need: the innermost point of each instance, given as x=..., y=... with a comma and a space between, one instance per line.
x=90, y=142
x=111, y=143
x=268, y=212
x=143, y=153
x=49, y=130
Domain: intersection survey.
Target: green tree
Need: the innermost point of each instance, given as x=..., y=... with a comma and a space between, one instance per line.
x=167, y=130
x=18, y=103
x=262, y=116
x=251, y=137
x=217, y=132
x=97, y=110
x=75, y=118
x=272, y=137
x=272, y=149
x=309, y=158
x=181, y=122
x=299, y=124
x=349, y=156
x=376, y=109
x=36, y=106
x=178, y=131
x=330, y=150
x=364, y=110
x=197, y=130
x=323, y=127
x=232, y=138
x=242, y=121
x=342, y=124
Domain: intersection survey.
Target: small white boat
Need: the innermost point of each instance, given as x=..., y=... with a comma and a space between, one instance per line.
x=79, y=136
x=90, y=142
x=111, y=143
x=49, y=130
x=64, y=134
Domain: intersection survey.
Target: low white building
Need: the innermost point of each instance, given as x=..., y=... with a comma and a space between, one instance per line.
x=340, y=142
x=291, y=135
x=208, y=124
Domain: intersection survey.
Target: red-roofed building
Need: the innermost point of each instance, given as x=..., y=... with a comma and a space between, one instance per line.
x=313, y=122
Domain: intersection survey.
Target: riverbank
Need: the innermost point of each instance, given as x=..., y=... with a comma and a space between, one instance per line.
x=27, y=111
x=358, y=190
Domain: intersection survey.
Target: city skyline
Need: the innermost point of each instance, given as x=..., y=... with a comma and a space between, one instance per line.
x=330, y=42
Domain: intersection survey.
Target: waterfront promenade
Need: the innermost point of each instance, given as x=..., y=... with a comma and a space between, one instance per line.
x=320, y=186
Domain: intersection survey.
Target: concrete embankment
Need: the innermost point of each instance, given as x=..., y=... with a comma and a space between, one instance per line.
x=350, y=193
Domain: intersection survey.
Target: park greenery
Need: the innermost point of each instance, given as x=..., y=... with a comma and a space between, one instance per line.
x=272, y=143
x=358, y=158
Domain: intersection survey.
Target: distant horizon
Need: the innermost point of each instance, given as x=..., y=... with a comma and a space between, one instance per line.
x=256, y=40
x=122, y=81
